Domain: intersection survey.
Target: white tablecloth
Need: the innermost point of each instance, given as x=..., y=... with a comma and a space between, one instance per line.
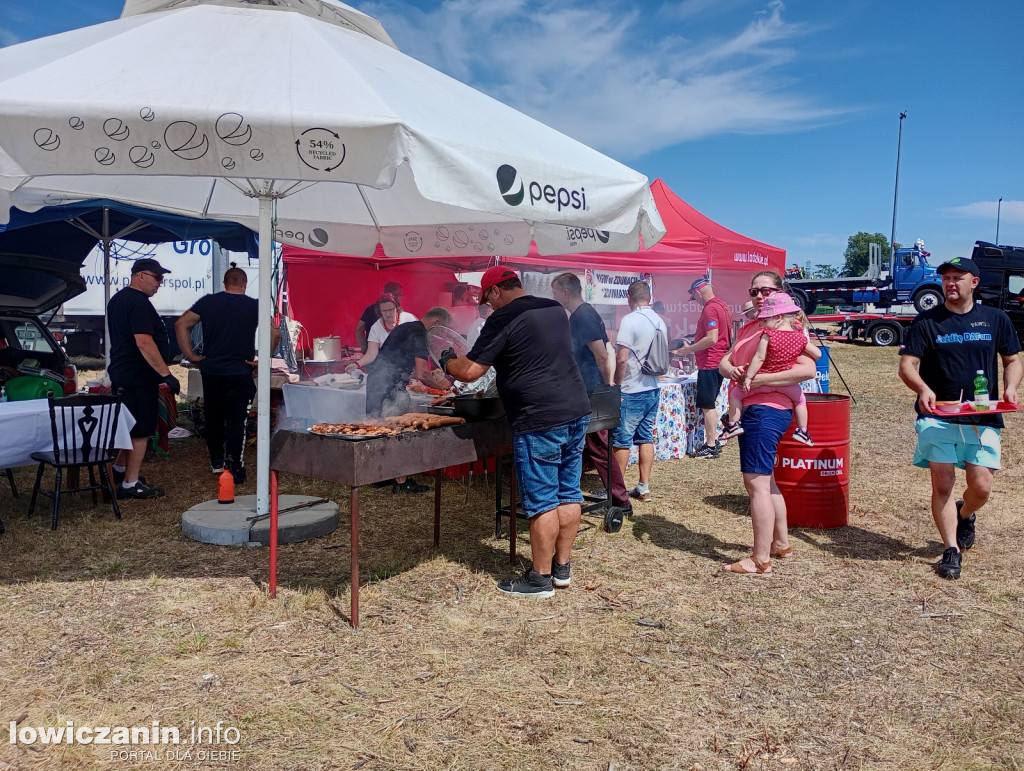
x=25, y=429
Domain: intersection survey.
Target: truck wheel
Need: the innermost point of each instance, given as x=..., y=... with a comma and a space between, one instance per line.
x=885, y=334
x=806, y=304
x=927, y=299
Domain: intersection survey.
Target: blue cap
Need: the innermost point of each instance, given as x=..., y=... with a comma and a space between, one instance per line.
x=697, y=285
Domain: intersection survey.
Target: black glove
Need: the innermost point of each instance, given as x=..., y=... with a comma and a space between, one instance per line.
x=446, y=357
x=171, y=382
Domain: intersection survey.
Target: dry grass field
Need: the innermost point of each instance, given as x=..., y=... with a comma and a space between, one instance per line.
x=851, y=655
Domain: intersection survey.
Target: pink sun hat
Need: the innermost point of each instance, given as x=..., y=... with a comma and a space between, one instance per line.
x=778, y=304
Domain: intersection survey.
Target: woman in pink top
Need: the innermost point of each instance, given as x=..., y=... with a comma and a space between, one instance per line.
x=765, y=420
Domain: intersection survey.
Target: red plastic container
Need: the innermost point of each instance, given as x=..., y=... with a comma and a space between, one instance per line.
x=815, y=481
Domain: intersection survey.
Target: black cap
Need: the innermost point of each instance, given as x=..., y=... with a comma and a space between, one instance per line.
x=959, y=263
x=148, y=264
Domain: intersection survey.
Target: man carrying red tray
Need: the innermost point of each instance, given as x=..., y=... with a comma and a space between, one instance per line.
x=945, y=349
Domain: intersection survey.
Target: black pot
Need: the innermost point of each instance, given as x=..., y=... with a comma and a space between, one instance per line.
x=479, y=407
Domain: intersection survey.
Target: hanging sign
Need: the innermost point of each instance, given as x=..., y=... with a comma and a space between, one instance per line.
x=605, y=287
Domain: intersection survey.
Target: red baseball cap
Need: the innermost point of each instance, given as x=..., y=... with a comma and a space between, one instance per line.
x=495, y=275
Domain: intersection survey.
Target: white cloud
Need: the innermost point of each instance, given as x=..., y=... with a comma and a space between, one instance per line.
x=626, y=79
x=1009, y=211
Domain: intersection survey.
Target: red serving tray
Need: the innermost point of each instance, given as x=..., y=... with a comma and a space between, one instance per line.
x=967, y=409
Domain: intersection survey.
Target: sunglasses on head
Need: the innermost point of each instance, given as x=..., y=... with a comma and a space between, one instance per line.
x=764, y=291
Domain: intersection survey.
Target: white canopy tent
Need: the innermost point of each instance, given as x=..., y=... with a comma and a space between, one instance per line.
x=329, y=138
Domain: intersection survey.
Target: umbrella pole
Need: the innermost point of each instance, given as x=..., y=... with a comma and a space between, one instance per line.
x=106, y=287
x=263, y=367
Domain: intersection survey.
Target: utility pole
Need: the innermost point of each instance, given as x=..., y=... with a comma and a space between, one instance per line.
x=999, y=210
x=896, y=194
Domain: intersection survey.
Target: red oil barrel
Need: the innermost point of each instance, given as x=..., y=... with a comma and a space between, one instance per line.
x=815, y=481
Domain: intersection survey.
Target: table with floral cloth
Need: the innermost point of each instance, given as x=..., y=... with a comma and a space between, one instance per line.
x=680, y=426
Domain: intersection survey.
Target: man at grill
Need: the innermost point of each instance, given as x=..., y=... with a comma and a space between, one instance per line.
x=528, y=343
x=402, y=356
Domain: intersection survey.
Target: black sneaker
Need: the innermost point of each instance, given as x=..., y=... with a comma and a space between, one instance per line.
x=529, y=584
x=801, y=435
x=140, y=490
x=706, y=452
x=949, y=565
x=964, y=528
x=216, y=466
x=410, y=485
x=729, y=429
x=238, y=472
x=560, y=574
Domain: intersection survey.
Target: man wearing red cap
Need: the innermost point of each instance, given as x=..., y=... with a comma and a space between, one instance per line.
x=527, y=341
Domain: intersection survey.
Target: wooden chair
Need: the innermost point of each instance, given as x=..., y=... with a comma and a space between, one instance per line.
x=83, y=427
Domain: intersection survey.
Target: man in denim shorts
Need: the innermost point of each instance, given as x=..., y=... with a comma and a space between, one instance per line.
x=640, y=392
x=527, y=341
x=945, y=349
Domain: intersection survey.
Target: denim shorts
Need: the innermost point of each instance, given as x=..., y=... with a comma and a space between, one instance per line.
x=763, y=427
x=636, y=420
x=958, y=443
x=548, y=466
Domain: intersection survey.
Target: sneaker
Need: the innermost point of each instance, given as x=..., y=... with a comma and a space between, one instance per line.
x=239, y=474
x=140, y=490
x=216, y=466
x=706, y=452
x=801, y=435
x=635, y=493
x=949, y=565
x=410, y=485
x=730, y=429
x=964, y=528
x=560, y=574
x=529, y=584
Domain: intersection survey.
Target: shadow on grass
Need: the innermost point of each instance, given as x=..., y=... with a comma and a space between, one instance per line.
x=853, y=542
x=733, y=504
x=674, y=535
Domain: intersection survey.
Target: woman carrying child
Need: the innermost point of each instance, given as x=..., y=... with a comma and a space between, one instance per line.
x=782, y=342
x=764, y=423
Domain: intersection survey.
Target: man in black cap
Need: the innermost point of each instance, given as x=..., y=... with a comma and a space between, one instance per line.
x=710, y=344
x=138, y=352
x=946, y=349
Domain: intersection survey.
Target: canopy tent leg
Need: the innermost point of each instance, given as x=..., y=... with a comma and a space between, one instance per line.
x=263, y=359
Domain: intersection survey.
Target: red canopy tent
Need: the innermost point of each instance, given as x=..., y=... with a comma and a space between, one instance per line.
x=327, y=293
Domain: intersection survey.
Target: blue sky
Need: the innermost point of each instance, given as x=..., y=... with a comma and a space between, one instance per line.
x=777, y=119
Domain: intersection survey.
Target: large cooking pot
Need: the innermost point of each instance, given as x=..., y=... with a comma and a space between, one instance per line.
x=478, y=407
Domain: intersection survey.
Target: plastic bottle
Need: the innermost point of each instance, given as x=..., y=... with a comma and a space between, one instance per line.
x=981, y=400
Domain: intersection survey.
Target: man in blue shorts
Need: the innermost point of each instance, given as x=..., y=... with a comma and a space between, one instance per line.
x=640, y=392
x=945, y=348
x=527, y=341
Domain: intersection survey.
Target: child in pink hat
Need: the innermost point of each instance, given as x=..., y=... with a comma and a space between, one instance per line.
x=782, y=342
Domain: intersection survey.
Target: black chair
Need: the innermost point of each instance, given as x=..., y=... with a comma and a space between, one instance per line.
x=84, y=427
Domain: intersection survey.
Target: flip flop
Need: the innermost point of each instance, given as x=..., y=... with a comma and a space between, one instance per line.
x=760, y=568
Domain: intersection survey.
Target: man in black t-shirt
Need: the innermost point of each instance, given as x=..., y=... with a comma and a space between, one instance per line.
x=528, y=343
x=945, y=348
x=138, y=352
x=590, y=349
x=371, y=314
x=229, y=320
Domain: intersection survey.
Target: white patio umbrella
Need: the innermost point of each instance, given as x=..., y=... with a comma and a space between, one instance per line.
x=301, y=120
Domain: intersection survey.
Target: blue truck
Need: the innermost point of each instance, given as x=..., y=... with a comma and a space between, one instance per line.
x=911, y=279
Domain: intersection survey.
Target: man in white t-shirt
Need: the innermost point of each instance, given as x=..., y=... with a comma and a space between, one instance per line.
x=640, y=392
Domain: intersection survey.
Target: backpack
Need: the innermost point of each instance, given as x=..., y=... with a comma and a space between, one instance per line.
x=656, y=362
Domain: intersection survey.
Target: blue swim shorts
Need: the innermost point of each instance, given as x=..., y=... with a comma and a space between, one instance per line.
x=941, y=442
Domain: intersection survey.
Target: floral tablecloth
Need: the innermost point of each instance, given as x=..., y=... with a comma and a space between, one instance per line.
x=680, y=425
